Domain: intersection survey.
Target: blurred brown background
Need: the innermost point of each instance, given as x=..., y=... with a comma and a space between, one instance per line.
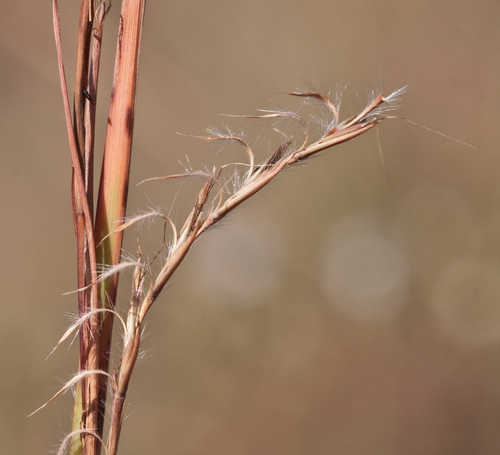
x=352, y=307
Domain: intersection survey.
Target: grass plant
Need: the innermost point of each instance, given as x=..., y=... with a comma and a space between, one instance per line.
x=99, y=231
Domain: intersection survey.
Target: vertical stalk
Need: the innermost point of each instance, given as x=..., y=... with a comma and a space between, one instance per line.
x=82, y=213
x=112, y=199
x=86, y=393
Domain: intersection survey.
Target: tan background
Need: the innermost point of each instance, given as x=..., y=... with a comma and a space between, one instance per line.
x=350, y=308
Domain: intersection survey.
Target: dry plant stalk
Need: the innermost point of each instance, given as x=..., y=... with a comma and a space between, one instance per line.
x=99, y=241
x=211, y=206
x=113, y=190
x=83, y=220
x=95, y=335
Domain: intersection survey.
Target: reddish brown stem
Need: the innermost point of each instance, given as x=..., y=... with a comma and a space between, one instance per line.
x=112, y=199
x=89, y=386
x=92, y=405
x=82, y=211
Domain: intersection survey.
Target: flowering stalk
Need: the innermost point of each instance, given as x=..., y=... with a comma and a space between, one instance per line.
x=207, y=211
